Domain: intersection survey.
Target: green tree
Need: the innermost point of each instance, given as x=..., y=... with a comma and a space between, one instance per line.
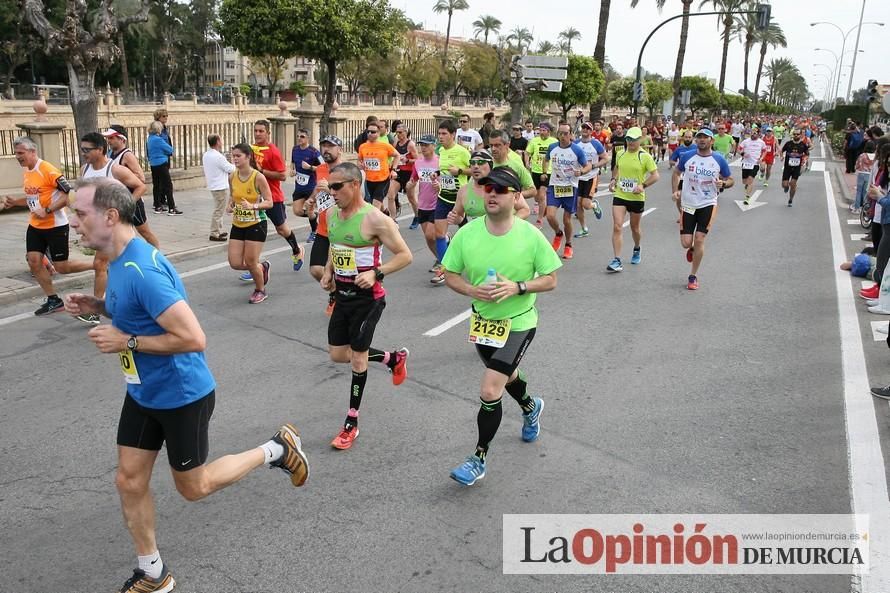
x=583, y=84
x=620, y=93
x=772, y=36
x=330, y=32
x=568, y=36
x=745, y=29
x=656, y=92
x=449, y=6
x=704, y=95
x=419, y=69
x=270, y=67
x=479, y=70
x=599, y=54
x=546, y=48
x=485, y=25
x=19, y=40
x=523, y=38
x=736, y=104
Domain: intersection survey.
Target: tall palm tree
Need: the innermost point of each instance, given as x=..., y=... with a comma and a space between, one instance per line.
x=772, y=36
x=777, y=70
x=568, y=36
x=728, y=19
x=485, y=25
x=546, y=48
x=746, y=30
x=599, y=54
x=520, y=35
x=449, y=6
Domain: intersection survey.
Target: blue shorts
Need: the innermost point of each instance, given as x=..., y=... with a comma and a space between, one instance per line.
x=443, y=208
x=569, y=204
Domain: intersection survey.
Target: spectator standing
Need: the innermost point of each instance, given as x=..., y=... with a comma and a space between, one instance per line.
x=855, y=139
x=863, y=175
x=217, y=171
x=159, y=153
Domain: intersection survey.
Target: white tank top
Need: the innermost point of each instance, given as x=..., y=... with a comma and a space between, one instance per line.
x=88, y=171
x=117, y=159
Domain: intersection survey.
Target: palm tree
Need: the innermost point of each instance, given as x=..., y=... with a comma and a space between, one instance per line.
x=449, y=6
x=746, y=30
x=728, y=8
x=599, y=54
x=681, y=51
x=486, y=24
x=520, y=35
x=772, y=36
x=568, y=36
x=775, y=71
x=546, y=48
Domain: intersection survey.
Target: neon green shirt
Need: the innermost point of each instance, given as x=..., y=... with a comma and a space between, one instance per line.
x=514, y=162
x=536, y=149
x=723, y=144
x=456, y=156
x=632, y=170
x=520, y=255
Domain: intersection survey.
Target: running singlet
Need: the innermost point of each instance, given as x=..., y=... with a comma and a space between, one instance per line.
x=424, y=172
x=794, y=153
x=752, y=150
x=246, y=190
x=563, y=163
x=268, y=157
x=406, y=159
x=375, y=156
x=591, y=150
x=769, y=150
x=700, y=178
x=474, y=203
x=631, y=169
x=351, y=253
x=141, y=286
x=456, y=156
x=41, y=186
x=537, y=148
x=521, y=254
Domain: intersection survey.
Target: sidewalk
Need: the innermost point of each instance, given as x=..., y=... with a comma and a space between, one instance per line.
x=181, y=237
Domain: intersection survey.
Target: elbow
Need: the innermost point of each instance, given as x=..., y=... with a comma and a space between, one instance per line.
x=197, y=341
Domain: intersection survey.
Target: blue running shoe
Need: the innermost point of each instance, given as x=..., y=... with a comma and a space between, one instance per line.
x=615, y=265
x=297, y=258
x=531, y=422
x=635, y=258
x=414, y=223
x=582, y=233
x=311, y=237
x=469, y=471
x=246, y=277
x=597, y=211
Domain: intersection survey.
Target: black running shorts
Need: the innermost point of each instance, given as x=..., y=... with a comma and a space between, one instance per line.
x=506, y=360
x=318, y=256
x=353, y=322
x=53, y=241
x=698, y=221
x=255, y=232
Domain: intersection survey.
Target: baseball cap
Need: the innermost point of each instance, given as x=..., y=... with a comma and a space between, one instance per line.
x=503, y=176
x=427, y=139
x=482, y=155
x=115, y=130
x=546, y=124
x=705, y=132
x=635, y=133
x=587, y=125
x=331, y=140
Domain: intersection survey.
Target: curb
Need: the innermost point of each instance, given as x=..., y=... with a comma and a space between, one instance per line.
x=83, y=279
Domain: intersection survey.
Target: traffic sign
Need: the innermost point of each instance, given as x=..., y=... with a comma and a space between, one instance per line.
x=544, y=74
x=544, y=61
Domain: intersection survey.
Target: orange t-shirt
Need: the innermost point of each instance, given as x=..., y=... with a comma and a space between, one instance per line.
x=41, y=192
x=375, y=156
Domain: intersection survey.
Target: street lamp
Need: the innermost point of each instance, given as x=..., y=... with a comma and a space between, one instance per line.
x=844, y=43
x=835, y=70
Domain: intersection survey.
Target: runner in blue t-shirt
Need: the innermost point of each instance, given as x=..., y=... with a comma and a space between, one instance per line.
x=304, y=161
x=170, y=392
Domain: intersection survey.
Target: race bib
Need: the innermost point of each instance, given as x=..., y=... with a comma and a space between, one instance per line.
x=688, y=209
x=447, y=182
x=343, y=259
x=627, y=185
x=324, y=200
x=244, y=215
x=302, y=179
x=563, y=191
x=793, y=161
x=372, y=164
x=489, y=332
x=128, y=367
x=33, y=203
x=426, y=175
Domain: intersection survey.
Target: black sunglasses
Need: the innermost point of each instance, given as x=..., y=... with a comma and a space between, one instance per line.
x=480, y=162
x=338, y=185
x=493, y=188
x=464, y=121
x=86, y=149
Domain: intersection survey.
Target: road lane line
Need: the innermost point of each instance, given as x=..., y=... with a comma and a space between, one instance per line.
x=645, y=212
x=14, y=318
x=441, y=329
x=856, y=236
x=852, y=221
x=868, y=480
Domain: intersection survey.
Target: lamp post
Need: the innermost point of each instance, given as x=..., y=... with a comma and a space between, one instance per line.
x=830, y=78
x=835, y=75
x=844, y=45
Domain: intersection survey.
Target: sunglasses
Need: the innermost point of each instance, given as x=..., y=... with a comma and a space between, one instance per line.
x=464, y=121
x=337, y=186
x=479, y=162
x=373, y=132
x=492, y=188
x=302, y=136
x=86, y=149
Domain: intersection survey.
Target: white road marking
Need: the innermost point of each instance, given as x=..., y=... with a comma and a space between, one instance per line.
x=817, y=166
x=645, y=212
x=867, y=477
x=753, y=203
x=441, y=329
x=14, y=318
x=856, y=236
x=852, y=221
x=879, y=330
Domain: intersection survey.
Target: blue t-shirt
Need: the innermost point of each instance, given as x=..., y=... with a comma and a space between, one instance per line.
x=304, y=182
x=142, y=284
x=678, y=152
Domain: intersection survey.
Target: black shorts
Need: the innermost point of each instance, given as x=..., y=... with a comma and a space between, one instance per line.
x=750, y=172
x=318, y=256
x=353, y=322
x=139, y=217
x=536, y=179
x=585, y=187
x=402, y=178
x=378, y=189
x=635, y=206
x=184, y=430
x=255, y=232
x=426, y=216
x=443, y=209
x=301, y=193
x=53, y=242
x=680, y=186
x=790, y=173
x=697, y=222
x=277, y=213
x=506, y=360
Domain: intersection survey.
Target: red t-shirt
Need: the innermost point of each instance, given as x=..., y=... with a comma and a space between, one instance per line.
x=268, y=157
x=769, y=153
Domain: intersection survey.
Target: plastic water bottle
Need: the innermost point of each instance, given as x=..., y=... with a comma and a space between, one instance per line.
x=492, y=276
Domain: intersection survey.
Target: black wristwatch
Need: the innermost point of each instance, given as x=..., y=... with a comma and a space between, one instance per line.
x=133, y=343
x=48, y=210
x=379, y=274
x=522, y=288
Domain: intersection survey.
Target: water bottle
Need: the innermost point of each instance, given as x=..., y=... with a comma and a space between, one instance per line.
x=492, y=276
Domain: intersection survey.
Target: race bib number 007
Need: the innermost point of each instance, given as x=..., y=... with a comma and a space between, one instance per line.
x=489, y=332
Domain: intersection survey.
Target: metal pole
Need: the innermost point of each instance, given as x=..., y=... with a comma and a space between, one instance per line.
x=856, y=51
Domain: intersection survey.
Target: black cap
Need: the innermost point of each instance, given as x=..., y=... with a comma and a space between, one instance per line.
x=331, y=139
x=503, y=176
x=482, y=155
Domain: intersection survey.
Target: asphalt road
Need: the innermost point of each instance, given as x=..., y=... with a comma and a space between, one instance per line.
x=658, y=400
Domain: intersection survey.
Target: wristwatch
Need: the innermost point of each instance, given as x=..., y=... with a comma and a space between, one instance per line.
x=48, y=210
x=522, y=288
x=379, y=274
x=133, y=344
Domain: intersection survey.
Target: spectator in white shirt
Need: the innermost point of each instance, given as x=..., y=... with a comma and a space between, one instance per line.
x=217, y=170
x=467, y=136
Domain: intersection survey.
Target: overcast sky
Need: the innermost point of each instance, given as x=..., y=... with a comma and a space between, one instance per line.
x=629, y=27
